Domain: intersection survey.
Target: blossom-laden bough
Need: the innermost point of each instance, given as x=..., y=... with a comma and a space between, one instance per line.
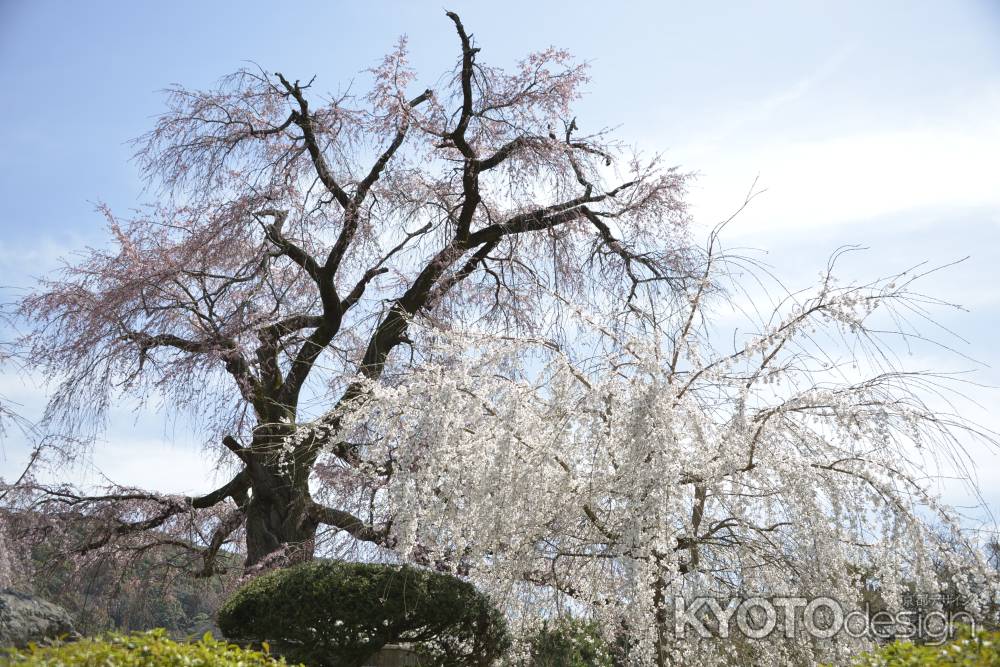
x=624, y=471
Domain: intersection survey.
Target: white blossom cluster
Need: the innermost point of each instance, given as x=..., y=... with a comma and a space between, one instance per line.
x=611, y=485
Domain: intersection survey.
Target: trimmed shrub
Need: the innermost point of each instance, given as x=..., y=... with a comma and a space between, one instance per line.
x=980, y=649
x=141, y=649
x=337, y=614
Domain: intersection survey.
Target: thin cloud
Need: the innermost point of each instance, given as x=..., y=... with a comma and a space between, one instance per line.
x=842, y=179
x=765, y=108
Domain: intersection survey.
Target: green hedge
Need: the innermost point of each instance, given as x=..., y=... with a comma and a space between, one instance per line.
x=141, y=649
x=980, y=649
x=336, y=614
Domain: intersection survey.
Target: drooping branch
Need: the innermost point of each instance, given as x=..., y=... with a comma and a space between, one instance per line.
x=225, y=348
x=130, y=520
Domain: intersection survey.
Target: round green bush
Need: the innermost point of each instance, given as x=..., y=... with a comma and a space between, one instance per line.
x=141, y=649
x=968, y=649
x=337, y=614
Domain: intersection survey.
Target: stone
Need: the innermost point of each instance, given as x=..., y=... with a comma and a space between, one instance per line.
x=25, y=618
x=392, y=655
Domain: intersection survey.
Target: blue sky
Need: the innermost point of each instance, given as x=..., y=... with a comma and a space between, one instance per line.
x=870, y=123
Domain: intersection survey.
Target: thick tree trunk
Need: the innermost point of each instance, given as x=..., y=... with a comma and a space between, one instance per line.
x=280, y=530
x=277, y=528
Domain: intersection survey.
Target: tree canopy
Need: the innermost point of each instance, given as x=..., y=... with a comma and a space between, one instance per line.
x=450, y=326
x=296, y=235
